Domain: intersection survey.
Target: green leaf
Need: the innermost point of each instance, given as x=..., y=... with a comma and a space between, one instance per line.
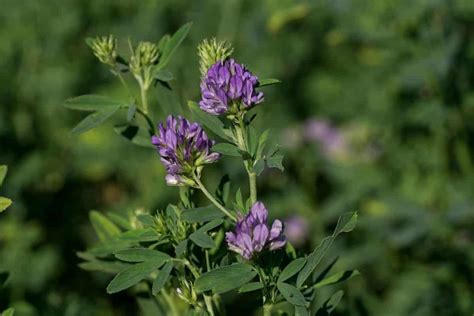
x=301, y=311
x=141, y=254
x=8, y=312
x=162, y=277
x=136, y=134
x=346, y=223
x=276, y=161
x=203, y=240
x=330, y=304
x=132, y=275
x=4, y=203
x=121, y=221
x=239, y=202
x=259, y=166
x=267, y=82
x=253, y=141
x=291, y=269
x=173, y=43
x=222, y=192
x=167, y=99
x=3, y=173
x=146, y=219
x=211, y=225
x=210, y=121
x=250, y=287
x=201, y=214
x=225, y=278
x=132, y=110
x=93, y=120
x=181, y=247
x=261, y=143
x=113, y=267
x=93, y=103
x=140, y=235
x=291, y=294
x=226, y=149
x=103, y=227
x=337, y=278
x=163, y=75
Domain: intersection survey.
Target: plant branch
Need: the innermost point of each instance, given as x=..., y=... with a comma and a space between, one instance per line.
x=213, y=200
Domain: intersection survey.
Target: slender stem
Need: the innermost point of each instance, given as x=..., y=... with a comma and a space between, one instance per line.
x=143, y=93
x=213, y=200
x=253, y=187
x=267, y=309
x=242, y=144
x=208, y=265
x=208, y=301
x=148, y=120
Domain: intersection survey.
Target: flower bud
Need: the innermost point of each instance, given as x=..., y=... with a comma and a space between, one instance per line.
x=104, y=48
x=212, y=51
x=146, y=54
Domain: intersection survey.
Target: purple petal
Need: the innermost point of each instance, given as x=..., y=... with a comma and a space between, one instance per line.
x=276, y=229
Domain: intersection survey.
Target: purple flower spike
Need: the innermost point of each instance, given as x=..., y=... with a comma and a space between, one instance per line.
x=183, y=148
x=227, y=83
x=252, y=233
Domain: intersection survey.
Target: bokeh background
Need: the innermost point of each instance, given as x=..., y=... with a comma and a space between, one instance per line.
x=375, y=114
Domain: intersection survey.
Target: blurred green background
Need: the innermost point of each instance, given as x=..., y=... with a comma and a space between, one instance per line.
x=393, y=78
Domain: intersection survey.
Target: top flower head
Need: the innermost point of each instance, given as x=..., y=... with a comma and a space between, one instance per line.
x=228, y=86
x=252, y=233
x=184, y=148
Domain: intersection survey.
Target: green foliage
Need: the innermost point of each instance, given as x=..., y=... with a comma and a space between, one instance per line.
x=225, y=278
x=346, y=223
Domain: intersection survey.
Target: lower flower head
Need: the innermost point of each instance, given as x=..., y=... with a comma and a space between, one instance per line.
x=227, y=84
x=184, y=148
x=253, y=235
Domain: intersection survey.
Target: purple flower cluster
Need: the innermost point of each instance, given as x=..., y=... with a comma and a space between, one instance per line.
x=183, y=147
x=252, y=234
x=228, y=83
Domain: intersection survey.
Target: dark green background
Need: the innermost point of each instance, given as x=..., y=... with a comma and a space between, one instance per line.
x=394, y=75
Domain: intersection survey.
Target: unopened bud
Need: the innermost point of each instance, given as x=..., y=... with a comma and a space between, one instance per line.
x=104, y=48
x=212, y=51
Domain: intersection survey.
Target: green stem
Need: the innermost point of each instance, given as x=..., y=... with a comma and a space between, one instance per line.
x=242, y=144
x=253, y=186
x=213, y=200
x=143, y=93
x=148, y=120
x=208, y=301
x=267, y=309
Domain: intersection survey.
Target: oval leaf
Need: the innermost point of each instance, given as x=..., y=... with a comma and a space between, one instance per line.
x=162, y=277
x=93, y=103
x=226, y=149
x=141, y=254
x=103, y=227
x=346, y=223
x=225, y=278
x=291, y=269
x=203, y=240
x=291, y=294
x=93, y=120
x=132, y=275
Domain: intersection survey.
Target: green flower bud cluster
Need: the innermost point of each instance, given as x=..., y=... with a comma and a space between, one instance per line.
x=105, y=49
x=212, y=51
x=143, y=59
x=171, y=226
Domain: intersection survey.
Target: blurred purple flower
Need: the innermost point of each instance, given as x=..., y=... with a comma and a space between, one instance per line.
x=296, y=230
x=330, y=138
x=227, y=83
x=252, y=233
x=183, y=147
